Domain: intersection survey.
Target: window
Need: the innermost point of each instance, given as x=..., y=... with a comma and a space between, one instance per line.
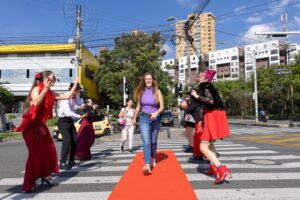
x=3, y=55
x=212, y=61
x=181, y=71
x=249, y=68
x=274, y=51
x=27, y=73
x=274, y=58
x=233, y=57
x=0, y=73
x=70, y=73
x=59, y=54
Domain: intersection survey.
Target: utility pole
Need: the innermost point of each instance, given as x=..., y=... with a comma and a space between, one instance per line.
x=188, y=59
x=78, y=37
x=124, y=91
x=255, y=87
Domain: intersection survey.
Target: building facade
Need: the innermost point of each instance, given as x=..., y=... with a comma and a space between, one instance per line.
x=264, y=54
x=170, y=66
x=228, y=63
x=203, y=32
x=20, y=63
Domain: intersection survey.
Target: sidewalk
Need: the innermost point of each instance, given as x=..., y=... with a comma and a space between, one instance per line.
x=270, y=123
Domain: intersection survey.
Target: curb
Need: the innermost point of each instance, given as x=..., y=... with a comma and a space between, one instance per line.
x=265, y=125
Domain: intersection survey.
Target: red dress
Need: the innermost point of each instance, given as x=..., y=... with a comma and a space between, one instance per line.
x=42, y=159
x=85, y=139
x=215, y=125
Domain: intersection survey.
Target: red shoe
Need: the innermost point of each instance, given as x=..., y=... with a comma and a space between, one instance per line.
x=223, y=172
x=212, y=170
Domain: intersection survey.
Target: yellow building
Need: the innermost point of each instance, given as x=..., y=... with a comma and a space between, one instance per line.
x=19, y=64
x=203, y=32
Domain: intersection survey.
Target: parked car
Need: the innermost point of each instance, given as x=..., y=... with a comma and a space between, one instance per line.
x=167, y=118
x=101, y=126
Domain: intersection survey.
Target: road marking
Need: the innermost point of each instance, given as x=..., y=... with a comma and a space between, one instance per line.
x=251, y=194
x=57, y=195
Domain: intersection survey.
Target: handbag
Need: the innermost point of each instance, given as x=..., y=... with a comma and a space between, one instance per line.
x=122, y=121
x=189, y=118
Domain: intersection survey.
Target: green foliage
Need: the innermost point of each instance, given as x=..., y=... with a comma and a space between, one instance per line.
x=132, y=56
x=237, y=96
x=52, y=122
x=5, y=95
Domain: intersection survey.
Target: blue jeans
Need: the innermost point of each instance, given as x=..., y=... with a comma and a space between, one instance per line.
x=149, y=132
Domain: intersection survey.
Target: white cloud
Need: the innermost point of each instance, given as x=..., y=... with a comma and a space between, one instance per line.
x=168, y=49
x=278, y=7
x=250, y=36
x=297, y=20
x=238, y=9
x=255, y=19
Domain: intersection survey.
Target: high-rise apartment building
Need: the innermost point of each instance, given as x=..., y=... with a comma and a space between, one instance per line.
x=203, y=32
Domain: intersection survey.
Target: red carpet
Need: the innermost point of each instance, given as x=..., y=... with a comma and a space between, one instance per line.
x=167, y=181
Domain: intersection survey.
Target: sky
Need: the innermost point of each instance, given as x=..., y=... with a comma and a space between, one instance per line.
x=53, y=21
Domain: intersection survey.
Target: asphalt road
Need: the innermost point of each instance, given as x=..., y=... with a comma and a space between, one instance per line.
x=265, y=163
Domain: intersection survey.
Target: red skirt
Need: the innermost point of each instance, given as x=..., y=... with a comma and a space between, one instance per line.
x=42, y=159
x=215, y=125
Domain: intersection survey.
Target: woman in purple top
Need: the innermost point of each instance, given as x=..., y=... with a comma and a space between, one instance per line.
x=149, y=106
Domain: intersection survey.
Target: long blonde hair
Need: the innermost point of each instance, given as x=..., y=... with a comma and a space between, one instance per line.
x=138, y=93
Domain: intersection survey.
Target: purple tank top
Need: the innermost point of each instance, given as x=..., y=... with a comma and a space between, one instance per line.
x=148, y=102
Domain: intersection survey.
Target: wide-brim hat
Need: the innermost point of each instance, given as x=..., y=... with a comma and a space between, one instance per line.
x=77, y=88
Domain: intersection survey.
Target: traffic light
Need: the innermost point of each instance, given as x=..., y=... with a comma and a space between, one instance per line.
x=127, y=88
x=176, y=90
x=180, y=88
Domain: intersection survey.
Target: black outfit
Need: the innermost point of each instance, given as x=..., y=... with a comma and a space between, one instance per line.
x=68, y=131
x=209, y=97
x=195, y=108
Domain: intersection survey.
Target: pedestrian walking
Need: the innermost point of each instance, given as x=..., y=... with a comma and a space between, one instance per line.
x=194, y=116
x=215, y=124
x=65, y=123
x=149, y=106
x=127, y=114
x=42, y=159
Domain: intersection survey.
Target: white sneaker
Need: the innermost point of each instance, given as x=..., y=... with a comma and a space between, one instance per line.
x=146, y=170
x=153, y=162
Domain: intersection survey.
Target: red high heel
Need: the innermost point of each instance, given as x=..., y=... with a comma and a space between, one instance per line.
x=223, y=172
x=212, y=170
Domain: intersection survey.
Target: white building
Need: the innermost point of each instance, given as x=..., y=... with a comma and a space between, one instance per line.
x=264, y=54
x=293, y=50
x=20, y=63
x=183, y=69
x=226, y=63
x=171, y=72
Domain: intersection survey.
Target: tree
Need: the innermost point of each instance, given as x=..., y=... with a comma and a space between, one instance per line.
x=5, y=95
x=132, y=56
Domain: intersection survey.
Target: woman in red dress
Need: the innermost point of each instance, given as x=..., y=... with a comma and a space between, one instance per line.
x=215, y=124
x=42, y=160
x=85, y=137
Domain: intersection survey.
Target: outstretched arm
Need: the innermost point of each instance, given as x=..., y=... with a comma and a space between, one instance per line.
x=68, y=94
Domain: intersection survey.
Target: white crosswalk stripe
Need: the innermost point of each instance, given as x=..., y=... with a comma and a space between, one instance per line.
x=262, y=130
x=103, y=172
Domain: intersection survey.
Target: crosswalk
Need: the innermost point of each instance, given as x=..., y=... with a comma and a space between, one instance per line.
x=257, y=174
x=261, y=130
